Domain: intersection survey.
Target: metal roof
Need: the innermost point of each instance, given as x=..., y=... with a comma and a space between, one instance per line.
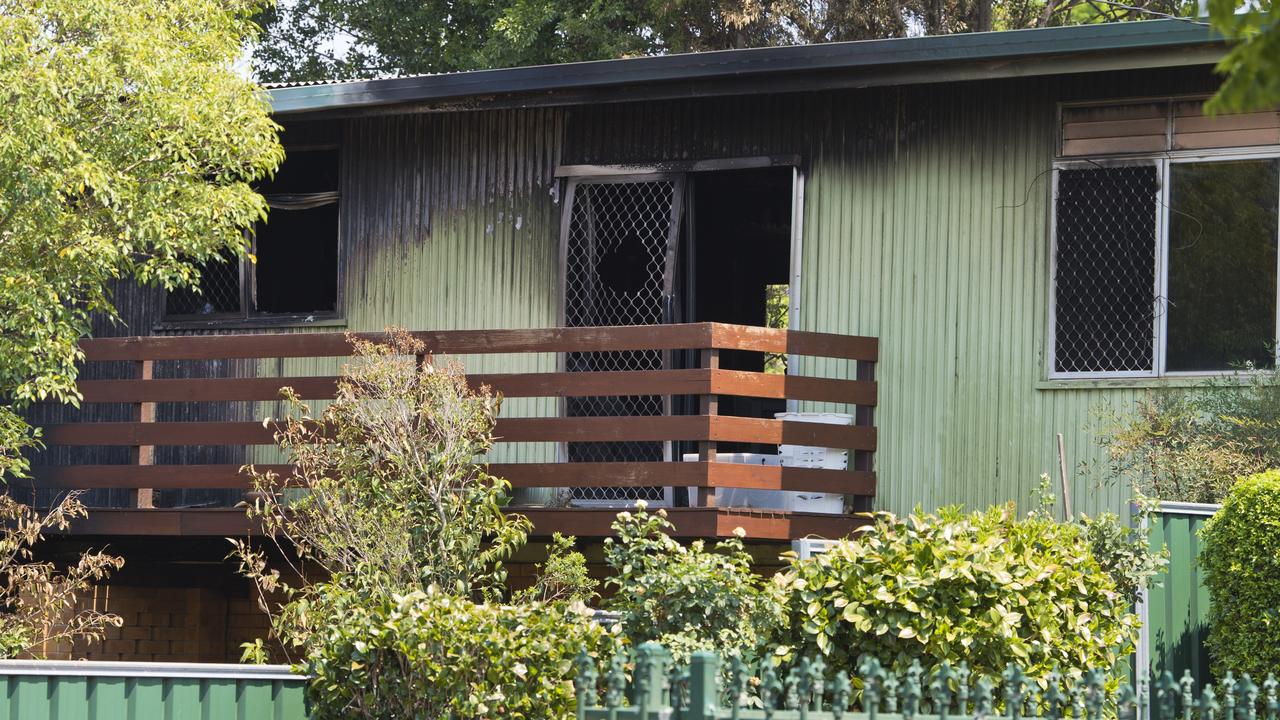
x=1079, y=48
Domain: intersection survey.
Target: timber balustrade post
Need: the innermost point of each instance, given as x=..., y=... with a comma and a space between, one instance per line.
x=709, y=405
x=865, y=416
x=144, y=412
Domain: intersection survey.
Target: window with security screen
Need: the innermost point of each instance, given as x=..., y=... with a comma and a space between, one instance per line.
x=1164, y=264
x=1105, y=270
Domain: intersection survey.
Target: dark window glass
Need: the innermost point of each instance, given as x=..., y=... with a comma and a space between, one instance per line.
x=297, y=268
x=304, y=171
x=1105, y=269
x=1222, y=264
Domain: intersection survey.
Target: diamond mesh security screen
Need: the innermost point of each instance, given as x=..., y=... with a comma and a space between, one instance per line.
x=219, y=291
x=1104, y=282
x=616, y=273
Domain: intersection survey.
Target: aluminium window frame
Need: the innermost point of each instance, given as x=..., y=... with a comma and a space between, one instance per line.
x=1162, y=161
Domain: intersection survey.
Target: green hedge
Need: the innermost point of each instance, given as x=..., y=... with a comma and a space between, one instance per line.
x=431, y=655
x=1241, y=563
x=987, y=588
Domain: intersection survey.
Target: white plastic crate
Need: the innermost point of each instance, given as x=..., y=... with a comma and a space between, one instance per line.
x=808, y=456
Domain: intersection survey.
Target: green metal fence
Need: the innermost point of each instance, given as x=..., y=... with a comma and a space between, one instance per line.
x=57, y=690
x=658, y=690
x=1175, y=613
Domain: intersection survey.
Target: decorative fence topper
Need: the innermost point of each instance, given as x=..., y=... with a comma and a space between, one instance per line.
x=661, y=691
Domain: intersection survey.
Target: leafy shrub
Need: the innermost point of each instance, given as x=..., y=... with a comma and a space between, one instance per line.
x=393, y=530
x=1240, y=558
x=432, y=655
x=563, y=577
x=1191, y=445
x=38, y=600
x=1124, y=553
x=988, y=588
x=687, y=598
x=389, y=479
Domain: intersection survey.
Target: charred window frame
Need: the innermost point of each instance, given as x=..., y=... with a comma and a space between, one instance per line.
x=1165, y=175
x=294, y=274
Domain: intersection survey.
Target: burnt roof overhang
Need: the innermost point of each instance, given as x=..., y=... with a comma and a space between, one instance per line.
x=899, y=61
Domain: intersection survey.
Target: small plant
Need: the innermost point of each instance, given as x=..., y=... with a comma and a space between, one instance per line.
x=37, y=601
x=1241, y=563
x=1191, y=445
x=687, y=597
x=396, y=536
x=386, y=482
x=563, y=577
x=987, y=588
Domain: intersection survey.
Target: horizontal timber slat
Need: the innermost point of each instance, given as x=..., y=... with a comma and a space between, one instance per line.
x=521, y=475
x=582, y=522
x=183, y=477
x=585, y=384
x=719, y=428
x=472, y=342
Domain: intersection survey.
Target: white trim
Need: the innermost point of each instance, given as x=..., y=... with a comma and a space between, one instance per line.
x=749, y=162
x=1160, y=303
x=797, y=264
x=1187, y=508
x=98, y=668
x=1142, y=654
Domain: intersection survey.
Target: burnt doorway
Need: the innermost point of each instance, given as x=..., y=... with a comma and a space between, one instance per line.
x=693, y=246
x=736, y=267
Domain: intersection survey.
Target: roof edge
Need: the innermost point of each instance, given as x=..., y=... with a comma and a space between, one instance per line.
x=1136, y=44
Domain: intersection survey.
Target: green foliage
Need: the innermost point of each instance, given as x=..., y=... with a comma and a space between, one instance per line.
x=1240, y=558
x=393, y=531
x=685, y=596
x=562, y=577
x=326, y=39
x=432, y=655
x=988, y=588
x=1252, y=66
x=38, y=599
x=394, y=491
x=127, y=150
x=1191, y=445
x=1124, y=553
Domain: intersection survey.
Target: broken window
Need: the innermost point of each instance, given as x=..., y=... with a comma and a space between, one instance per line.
x=296, y=251
x=1175, y=277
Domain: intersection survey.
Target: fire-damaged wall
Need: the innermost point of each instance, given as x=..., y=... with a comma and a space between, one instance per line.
x=924, y=223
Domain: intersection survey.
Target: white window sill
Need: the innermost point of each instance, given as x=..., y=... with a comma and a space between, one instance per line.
x=1168, y=381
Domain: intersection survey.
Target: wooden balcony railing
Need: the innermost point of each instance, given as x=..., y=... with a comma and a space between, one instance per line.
x=706, y=430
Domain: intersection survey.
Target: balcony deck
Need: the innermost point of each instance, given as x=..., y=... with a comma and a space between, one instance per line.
x=704, y=385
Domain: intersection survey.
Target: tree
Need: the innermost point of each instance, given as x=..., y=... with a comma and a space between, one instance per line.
x=128, y=143
x=1252, y=66
x=127, y=150
x=327, y=39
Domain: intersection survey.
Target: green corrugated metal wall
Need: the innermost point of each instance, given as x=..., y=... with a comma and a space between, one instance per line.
x=1177, y=617
x=925, y=224
x=74, y=697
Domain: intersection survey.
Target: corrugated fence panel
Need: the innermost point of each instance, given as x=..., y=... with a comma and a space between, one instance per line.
x=76, y=690
x=1177, y=613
